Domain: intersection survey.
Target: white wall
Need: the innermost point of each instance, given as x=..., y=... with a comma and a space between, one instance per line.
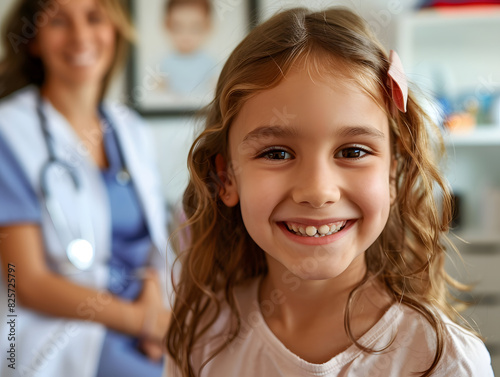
x=380, y=14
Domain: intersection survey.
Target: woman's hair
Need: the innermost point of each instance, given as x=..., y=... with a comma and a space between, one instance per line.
x=408, y=256
x=19, y=67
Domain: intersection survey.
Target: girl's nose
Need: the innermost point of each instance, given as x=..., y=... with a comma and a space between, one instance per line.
x=316, y=186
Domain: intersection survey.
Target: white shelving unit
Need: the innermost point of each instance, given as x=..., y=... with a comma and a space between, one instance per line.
x=480, y=136
x=454, y=51
x=452, y=40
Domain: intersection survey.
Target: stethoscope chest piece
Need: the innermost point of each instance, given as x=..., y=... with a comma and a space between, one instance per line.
x=80, y=253
x=123, y=177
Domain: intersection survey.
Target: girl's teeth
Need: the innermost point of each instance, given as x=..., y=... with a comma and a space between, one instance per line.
x=324, y=229
x=312, y=231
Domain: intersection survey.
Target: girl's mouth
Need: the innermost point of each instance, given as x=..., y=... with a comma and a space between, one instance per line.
x=315, y=231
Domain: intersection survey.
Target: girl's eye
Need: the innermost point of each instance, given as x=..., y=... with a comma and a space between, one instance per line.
x=352, y=153
x=275, y=154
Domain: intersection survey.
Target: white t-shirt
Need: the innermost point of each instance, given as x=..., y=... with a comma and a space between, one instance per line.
x=256, y=352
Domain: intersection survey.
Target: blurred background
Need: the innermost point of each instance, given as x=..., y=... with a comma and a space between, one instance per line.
x=451, y=52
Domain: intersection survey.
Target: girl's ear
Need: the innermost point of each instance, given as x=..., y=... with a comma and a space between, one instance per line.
x=229, y=192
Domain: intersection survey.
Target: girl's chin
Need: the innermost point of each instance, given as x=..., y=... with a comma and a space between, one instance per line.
x=304, y=275
x=316, y=266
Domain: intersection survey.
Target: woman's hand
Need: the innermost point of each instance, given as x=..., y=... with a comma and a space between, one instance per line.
x=153, y=315
x=153, y=350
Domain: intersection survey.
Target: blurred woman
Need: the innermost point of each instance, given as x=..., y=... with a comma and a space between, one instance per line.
x=82, y=219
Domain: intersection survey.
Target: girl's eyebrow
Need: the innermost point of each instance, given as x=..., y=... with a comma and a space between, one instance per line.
x=264, y=132
x=360, y=130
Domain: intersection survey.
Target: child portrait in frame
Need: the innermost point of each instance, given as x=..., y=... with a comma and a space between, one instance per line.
x=181, y=47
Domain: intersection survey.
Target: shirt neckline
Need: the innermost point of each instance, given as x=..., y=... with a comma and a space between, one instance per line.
x=247, y=299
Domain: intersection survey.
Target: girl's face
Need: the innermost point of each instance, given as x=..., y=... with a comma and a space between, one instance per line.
x=310, y=165
x=77, y=43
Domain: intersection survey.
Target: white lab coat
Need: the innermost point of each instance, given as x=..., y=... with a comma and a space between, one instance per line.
x=57, y=347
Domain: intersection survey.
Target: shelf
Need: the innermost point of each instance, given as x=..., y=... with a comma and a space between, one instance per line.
x=443, y=17
x=443, y=46
x=480, y=136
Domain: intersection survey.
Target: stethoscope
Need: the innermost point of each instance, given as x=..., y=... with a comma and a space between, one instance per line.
x=80, y=247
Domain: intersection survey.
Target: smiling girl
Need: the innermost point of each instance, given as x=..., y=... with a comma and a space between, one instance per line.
x=317, y=245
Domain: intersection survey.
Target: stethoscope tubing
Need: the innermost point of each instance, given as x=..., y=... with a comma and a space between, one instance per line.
x=53, y=206
x=54, y=209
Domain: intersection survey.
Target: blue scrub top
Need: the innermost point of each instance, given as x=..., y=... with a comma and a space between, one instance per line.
x=18, y=201
x=130, y=246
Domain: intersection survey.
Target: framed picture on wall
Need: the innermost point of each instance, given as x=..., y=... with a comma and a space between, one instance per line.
x=180, y=50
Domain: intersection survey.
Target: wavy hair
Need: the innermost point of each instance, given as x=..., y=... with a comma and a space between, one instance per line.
x=408, y=256
x=19, y=67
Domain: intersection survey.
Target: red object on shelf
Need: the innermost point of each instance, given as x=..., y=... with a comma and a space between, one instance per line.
x=451, y=3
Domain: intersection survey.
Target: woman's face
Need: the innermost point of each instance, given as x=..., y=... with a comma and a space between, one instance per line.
x=76, y=42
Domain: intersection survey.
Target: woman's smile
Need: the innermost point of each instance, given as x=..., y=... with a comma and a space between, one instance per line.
x=82, y=59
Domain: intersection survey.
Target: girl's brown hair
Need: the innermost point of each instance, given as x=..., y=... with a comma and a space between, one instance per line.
x=407, y=258
x=20, y=67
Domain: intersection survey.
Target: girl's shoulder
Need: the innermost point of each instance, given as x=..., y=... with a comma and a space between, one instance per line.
x=226, y=316
x=222, y=340
x=464, y=354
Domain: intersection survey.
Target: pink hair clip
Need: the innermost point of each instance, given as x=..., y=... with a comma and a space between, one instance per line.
x=397, y=81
